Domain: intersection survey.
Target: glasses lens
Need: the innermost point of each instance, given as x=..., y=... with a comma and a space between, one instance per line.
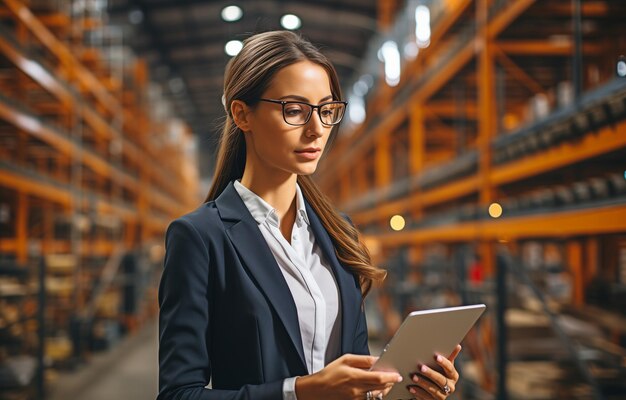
x=332, y=113
x=296, y=113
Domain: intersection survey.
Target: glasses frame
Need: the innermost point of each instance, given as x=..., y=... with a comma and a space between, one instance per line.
x=313, y=107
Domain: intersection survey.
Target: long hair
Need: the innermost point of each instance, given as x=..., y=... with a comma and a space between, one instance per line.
x=247, y=76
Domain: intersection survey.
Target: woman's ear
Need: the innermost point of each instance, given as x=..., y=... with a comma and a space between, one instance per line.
x=239, y=110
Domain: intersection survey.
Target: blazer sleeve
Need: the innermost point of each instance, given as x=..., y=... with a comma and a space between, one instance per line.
x=184, y=323
x=360, y=338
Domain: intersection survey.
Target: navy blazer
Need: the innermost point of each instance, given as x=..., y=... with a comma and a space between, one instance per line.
x=226, y=312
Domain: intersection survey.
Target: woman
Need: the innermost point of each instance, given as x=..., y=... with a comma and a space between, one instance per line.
x=263, y=285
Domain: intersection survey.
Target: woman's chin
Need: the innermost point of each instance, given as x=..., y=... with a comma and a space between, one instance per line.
x=306, y=171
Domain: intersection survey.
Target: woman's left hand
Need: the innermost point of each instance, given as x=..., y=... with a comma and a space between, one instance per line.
x=430, y=384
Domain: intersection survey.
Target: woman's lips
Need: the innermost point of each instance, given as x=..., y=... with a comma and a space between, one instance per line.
x=309, y=154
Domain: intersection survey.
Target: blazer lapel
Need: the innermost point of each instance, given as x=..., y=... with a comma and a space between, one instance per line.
x=348, y=288
x=252, y=248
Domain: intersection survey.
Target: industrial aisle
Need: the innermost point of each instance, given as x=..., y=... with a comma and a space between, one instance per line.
x=128, y=371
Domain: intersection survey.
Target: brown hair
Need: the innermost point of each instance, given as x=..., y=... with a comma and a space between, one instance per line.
x=247, y=76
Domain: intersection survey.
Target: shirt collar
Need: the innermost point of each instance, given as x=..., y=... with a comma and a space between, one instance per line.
x=261, y=211
x=300, y=208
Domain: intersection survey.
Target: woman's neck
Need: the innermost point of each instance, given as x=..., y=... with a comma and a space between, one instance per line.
x=279, y=192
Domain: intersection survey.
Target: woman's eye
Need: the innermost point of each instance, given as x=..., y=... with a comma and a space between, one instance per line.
x=327, y=112
x=293, y=110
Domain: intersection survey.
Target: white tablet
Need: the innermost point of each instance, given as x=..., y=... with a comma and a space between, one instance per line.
x=421, y=335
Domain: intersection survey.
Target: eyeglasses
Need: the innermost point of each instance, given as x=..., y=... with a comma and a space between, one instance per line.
x=298, y=113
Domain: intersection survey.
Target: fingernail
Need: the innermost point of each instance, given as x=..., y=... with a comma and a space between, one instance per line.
x=415, y=378
x=400, y=378
x=413, y=390
x=439, y=359
x=424, y=368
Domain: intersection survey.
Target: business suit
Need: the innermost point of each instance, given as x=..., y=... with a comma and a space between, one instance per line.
x=227, y=312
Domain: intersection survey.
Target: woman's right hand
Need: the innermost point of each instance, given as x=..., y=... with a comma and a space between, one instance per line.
x=348, y=377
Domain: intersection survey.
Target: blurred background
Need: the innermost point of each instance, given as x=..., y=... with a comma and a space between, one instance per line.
x=483, y=157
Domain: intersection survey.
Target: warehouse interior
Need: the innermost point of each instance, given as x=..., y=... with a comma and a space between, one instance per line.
x=482, y=157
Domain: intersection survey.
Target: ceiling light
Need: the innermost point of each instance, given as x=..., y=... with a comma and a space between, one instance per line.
x=621, y=67
x=177, y=85
x=411, y=50
x=290, y=21
x=360, y=88
x=135, y=16
x=397, y=223
x=369, y=79
x=422, y=26
x=391, y=55
x=231, y=13
x=233, y=47
x=356, y=111
x=495, y=210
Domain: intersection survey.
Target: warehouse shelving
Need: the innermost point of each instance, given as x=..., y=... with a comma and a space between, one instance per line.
x=515, y=103
x=90, y=175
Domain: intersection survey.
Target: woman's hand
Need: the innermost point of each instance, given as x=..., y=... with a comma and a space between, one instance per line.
x=346, y=378
x=430, y=384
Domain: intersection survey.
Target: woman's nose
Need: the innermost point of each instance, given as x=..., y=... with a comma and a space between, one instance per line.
x=315, y=126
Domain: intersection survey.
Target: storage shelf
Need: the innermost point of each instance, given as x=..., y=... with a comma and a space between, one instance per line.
x=37, y=70
x=595, y=220
x=32, y=182
x=604, y=141
x=29, y=122
x=496, y=112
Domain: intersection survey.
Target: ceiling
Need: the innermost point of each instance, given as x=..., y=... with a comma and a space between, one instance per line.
x=183, y=42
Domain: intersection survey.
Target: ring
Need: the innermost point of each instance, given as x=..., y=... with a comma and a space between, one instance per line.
x=446, y=388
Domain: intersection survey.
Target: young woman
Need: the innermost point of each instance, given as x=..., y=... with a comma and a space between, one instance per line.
x=263, y=285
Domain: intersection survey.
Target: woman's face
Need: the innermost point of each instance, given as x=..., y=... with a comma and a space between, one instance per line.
x=275, y=147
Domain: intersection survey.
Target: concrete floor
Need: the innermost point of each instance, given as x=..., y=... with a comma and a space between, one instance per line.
x=129, y=371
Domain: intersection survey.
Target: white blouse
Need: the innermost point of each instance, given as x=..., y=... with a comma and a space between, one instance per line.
x=310, y=280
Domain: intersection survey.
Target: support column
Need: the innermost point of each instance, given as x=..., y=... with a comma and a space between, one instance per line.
x=142, y=206
x=47, y=240
x=486, y=125
x=501, y=329
x=417, y=150
x=361, y=178
x=129, y=234
x=21, y=227
x=575, y=263
x=592, y=253
x=382, y=170
x=386, y=10
x=383, y=160
x=417, y=139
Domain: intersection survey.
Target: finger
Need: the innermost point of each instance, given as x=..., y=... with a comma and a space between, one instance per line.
x=378, y=378
x=376, y=388
x=358, y=361
x=433, y=387
x=448, y=367
x=420, y=393
x=387, y=390
x=455, y=353
x=430, y=387
x=378, y=394
x=437, y=378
